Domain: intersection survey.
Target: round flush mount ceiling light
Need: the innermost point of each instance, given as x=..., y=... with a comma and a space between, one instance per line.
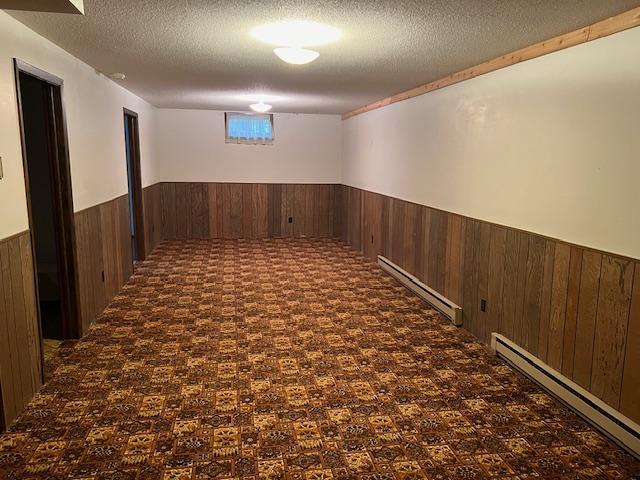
x=293, y=37
x=259, y=97
x=260, y=107
x=296, y=55
x=297, y=33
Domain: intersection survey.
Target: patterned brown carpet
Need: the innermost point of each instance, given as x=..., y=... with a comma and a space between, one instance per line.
x=289, y=359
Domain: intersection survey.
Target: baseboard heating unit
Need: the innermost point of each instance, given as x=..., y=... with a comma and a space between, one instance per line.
x=612, y=423
x=440, y=302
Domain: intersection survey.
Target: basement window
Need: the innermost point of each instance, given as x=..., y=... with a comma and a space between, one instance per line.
x=247, y=129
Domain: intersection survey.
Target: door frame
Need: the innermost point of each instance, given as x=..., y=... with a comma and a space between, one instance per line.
x=135, y=190
x=63, y=201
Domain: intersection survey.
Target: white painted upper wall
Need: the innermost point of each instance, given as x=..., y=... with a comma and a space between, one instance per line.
x=191, y=148
x=95, y=128
x=551, y=145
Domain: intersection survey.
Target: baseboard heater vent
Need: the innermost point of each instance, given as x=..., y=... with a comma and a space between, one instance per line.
x=429, y=295
x=622, y=430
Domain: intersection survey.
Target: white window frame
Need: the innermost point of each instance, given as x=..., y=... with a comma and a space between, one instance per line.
x=248, y=141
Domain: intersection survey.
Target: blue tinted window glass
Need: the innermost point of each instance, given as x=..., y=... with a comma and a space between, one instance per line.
x=249, y=126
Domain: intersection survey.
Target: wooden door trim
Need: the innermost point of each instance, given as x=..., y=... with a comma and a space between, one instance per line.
x=136, y=180
x=29, y=69
x=63, y=204
x=131, y=113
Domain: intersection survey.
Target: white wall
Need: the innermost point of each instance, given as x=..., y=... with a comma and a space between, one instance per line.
x=551, y=146
x=192, y=148
x=93, y=106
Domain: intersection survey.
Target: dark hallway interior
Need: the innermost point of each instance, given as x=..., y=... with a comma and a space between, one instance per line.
x=36, y=120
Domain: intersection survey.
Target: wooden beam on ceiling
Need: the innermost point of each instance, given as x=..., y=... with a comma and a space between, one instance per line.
x=597, y=30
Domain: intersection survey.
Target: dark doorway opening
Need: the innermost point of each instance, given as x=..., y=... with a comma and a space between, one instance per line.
x=49, y=200
x=132, y=146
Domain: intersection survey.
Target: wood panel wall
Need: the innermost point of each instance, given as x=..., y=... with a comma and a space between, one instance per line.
x=249, y=210
x=20, y=355
x=103, y=249
x=575, y=308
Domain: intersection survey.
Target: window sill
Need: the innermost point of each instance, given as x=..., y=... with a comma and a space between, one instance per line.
x=248, y=142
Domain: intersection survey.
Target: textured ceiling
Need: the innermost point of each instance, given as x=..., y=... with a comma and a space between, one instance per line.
x=200, y=53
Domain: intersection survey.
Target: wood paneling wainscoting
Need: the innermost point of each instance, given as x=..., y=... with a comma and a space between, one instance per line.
x=103, y=251
x=20, y=355
x=575, y=308
x=249, y=210
x=103, y=248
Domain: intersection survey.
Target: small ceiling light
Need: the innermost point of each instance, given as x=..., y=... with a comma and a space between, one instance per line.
x=117, y=76
x=296, y=33
x=259, y=97
x=260, y=107
x=296, y=55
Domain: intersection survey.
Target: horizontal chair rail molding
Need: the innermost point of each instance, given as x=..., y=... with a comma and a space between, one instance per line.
x=609, y=26
x=429, y=295
x=616, y=426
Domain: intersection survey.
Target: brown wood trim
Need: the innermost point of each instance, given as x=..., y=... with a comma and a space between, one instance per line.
x=617, y=23
x=499, y=225
x=36, y=72
x=136, y=179
x=62, y=169
x=3, y=426
x=63, y=204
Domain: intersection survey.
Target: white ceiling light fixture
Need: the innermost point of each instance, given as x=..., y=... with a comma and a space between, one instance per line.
x=259, y=97
x=293, y=37
x=297, y=33
x=260, y=107
x=296, y=55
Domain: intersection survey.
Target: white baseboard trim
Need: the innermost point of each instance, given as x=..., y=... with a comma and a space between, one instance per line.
x=622, y=430
x=429, y=295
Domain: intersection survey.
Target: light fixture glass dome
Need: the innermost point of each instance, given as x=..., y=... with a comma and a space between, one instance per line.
x=297, y=33
x=295, y=55
x=260, y=107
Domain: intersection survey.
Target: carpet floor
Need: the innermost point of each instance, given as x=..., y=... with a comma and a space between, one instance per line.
x=289, y=359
